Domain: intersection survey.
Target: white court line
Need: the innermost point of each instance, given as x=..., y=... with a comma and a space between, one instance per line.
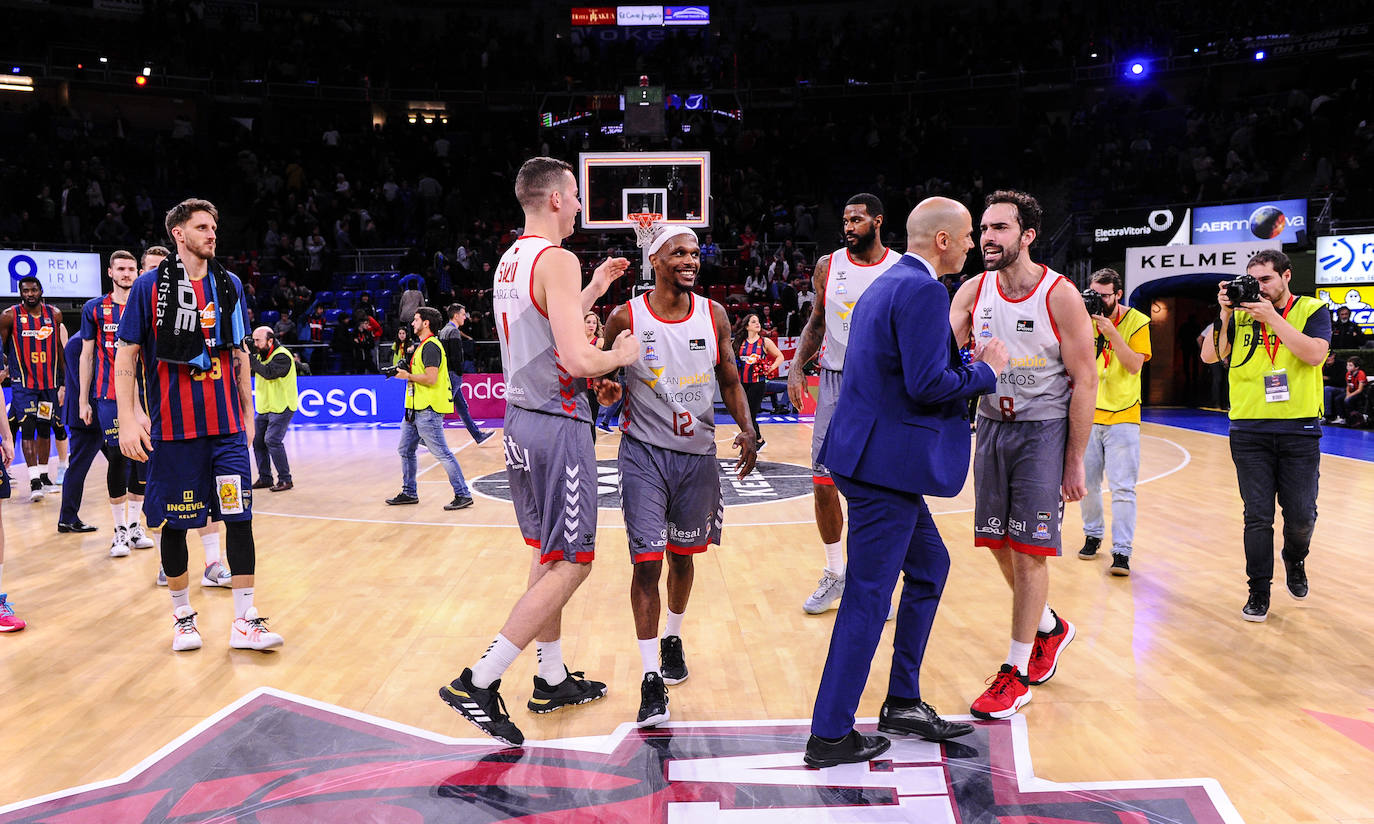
x=436, y=460
x=1187, y=458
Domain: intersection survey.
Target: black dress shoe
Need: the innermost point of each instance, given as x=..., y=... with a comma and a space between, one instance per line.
x=402, y=499
x=920, y=720
x=1297, y=578
x=75, y=526
x=852, y=749
x=263, y=482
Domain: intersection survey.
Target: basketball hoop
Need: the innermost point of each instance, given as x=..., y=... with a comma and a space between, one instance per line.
x=644, y=226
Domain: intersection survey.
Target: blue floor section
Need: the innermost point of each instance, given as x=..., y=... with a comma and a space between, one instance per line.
x=1336, y=440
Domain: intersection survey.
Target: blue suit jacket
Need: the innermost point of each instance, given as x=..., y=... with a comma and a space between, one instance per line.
x=901, y=420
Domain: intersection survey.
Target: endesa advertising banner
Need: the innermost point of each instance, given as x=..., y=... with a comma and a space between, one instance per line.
x=1282, y=221
x=368, y=399
x=63, y=274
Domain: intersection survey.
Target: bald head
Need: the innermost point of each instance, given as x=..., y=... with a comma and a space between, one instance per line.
x=263, y=337
x=941, y=231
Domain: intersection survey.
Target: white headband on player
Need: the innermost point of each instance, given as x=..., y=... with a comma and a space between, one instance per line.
x=669, y=231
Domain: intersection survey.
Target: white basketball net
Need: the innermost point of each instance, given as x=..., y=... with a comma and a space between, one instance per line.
x=644, y=227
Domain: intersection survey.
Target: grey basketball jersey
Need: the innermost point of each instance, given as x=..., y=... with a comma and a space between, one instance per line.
x=1035, y=385
x=672, y=387
x=535, y=378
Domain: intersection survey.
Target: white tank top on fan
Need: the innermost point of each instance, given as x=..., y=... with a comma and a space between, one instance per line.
x=672, y=387
x=1035, y=385
x=846, y=282
x=535, y=378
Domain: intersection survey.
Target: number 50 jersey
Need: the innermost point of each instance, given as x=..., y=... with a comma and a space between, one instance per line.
x=671, y=389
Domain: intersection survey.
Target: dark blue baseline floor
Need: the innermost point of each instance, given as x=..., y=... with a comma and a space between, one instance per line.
x=1336, y=440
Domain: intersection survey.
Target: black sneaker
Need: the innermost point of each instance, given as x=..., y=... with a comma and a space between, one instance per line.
x=402, y=499
x=569, y=692
x=1256, y=607
x=483, y=707
x=671, y=662
x=1121, y=564
x=653, y=701
x=458, y=502
x=483, y=436
x=1090, y=545
x=1297, y=578
x=47, y=482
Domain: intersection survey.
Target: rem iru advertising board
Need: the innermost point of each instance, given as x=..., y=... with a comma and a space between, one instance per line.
x=63, y=274
x=1277, y=221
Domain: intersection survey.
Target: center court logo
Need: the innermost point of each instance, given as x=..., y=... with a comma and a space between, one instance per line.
x=769, y=482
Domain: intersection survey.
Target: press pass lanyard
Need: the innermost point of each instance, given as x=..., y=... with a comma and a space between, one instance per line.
x=1273, y=351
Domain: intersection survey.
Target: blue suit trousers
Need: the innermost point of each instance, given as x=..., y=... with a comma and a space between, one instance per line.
x=889, y=532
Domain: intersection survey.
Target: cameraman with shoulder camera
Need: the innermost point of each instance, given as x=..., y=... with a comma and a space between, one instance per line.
x=1123, y=346
x=1276, y=343
x=429, y=396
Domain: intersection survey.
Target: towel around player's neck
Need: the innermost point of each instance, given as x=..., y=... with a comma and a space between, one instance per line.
x=180, y=338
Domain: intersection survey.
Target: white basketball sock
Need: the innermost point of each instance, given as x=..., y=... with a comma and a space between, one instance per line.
x=494, y=662
x=674, y=623
x=243, y=601
x=1047, y=621
x=118, y=510
x=834, y=558
x=1019, y=656
x=180, y=598
x=134, y=510
x=648, y=655
x=550, y=656
x=210, y=541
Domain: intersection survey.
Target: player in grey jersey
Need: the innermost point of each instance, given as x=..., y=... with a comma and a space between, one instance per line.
x=669, y=474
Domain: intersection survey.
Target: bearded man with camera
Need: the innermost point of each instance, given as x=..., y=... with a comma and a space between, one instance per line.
x=1123, y=346
x=1276, y=342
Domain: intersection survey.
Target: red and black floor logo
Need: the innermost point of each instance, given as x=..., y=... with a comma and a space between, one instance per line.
x=274, y=758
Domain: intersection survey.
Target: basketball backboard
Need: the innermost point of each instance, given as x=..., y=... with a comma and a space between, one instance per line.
x=615, y=185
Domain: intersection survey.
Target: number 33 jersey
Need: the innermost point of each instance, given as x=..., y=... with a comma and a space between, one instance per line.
x=671, y=389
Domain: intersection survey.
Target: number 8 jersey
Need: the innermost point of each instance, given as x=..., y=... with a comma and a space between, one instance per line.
x=671, y=389
x=1035, y=385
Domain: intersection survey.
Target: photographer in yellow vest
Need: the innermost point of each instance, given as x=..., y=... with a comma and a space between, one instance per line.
x=1275, y=342
x=275, y=401
x=429, y=397
x=1123, y=346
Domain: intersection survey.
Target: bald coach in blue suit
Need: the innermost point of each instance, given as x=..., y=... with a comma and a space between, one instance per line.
x=900, y=431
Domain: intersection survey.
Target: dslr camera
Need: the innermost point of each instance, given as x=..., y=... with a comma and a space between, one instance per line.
x=390, y=369
x=1244, y=289
x=1096, y=305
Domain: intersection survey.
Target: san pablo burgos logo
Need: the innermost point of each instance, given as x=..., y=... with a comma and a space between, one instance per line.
x=768, y=482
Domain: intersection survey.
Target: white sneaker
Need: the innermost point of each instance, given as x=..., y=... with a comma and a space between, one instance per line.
x=828, y=591
x=250, y=632
x=892, y=612
x=36, y=492
x=161, y=577
x=1338, y=420
x=119, y=547
x=184, y=633
x=216, y=575
x=60, y=476
x=138, y=539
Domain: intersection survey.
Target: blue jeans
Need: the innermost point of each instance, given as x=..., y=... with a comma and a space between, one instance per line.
x=428, y=426
x=461, y=404
x=1115, y=448
x=1282, y=465
x=269, y=446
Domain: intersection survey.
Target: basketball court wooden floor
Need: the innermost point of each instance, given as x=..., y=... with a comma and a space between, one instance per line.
x=381, y=605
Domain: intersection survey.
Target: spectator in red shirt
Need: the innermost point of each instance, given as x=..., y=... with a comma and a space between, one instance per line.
x=1352, y=404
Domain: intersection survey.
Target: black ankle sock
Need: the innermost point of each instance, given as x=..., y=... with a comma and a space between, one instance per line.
x=902, y=703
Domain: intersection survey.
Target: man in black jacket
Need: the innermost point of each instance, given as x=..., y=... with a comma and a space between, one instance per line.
x=451, y=336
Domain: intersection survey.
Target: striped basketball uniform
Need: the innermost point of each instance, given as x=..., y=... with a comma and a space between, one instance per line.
x=198, y=468
x=844, y=285
x=669, y=476
x=33, y=344
x=550, y=460
x=100, y=325
x=1018, y=463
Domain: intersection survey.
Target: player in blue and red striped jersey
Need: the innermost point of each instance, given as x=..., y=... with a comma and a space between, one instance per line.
x=34, y=334
x=186, y=320
x=99, y=331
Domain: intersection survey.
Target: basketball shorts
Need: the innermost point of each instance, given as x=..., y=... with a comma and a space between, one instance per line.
x=1018, y=473
x=551, y=465
x=671, y=500
x=4, y=483
x=37, y=403
x=107, y=418
x=825, y=410
x=193, y=481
